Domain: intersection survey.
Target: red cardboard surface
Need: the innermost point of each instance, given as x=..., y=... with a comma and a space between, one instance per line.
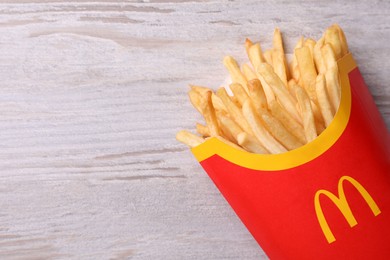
x=336, y=206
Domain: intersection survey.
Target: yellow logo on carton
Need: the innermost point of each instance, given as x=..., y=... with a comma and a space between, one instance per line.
x=342, y=204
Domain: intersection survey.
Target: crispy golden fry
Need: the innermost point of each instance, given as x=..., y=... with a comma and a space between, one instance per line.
x=199, y=89
x=289, y=123
x=208, y=112
x=343, y=40
x=239, y=92
x=309, y=42
x=278, y=47
x=248, y=72
x=328, y=56
x=217, y=103
x=278, y=60
x=333, y=87
x=280, y=133
x=255, y=54
x=257, y=95
x=260, y=132
x=268, y=57
x=332, y=38
x=307, y=114
x=229, y=125
x=248, y=44
x=202, y=130
x=250, y=143
x=319, y=60
x=189, y=138
x=317, y=113
x=195, y=98
x=307, y=70
x=294, y=69
x=234, y=110
x=290, y=86
x=323, y=100
x=220, y=138
x=279, y=89
x=320, y=127
x=234, y=71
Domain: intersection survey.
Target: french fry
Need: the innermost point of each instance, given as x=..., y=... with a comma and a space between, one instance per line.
x=278, y=51
x=257, y=95
x=279, y=89
x=310, y=43
x=278, y=61
x=289, y=123
x=343, y=40
x=239, y=93
x=260, y=132
x=332, y=38
x=248, y=72
x=234, y=110
x=228, y=125
x=248, y=44
x=234, y=71
x=280, y=133
x=217, y=103
x=268, y=57
x=307, y=70
x=195, y=98
x=255, y=54
x=319, y=60
x=220, y=138
x=208, y=112
x=328, y=56
x=199, y=89
x=202, y=130
x=189, y=138
x=251, y=144
x=333, y=86
x=307, y=114
x=323, y=100
x=294, y=69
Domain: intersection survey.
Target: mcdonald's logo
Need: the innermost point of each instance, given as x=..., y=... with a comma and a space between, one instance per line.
x=342, y=204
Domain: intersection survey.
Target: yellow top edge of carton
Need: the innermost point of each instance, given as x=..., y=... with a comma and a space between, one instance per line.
x=296, y=157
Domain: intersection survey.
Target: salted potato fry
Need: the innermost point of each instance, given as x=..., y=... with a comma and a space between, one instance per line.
x=234, y=110
x=289, y=123
x=268, y=57
x=278, y=47
x=328, y=56
x=280, y=133
x=317, y=55
x=279, y=89
x=257, y=95
x=255, y=54
x=229, y=125
x=248, y=72
x=332, y=38
x=307, y=114
x=248, y=44
x=250, y=143
x=260, y=132
x=234, y=70
x=343, y=40
x=333, y=86
x=278, y=61
x=208, y=112
x=189, y=138
x=294, y=69
x=217, y=103
x=195, y=98
x=323, y=100
x=307, y=70
x=202, y=130
x=239, y=92
x=199, y=89
x=310, y=43
x=220, y=138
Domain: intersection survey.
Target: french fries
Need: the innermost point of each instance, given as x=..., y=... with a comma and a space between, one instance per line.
x=274, y=107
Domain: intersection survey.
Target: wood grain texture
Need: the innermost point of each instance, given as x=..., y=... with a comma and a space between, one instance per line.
x=91, y=96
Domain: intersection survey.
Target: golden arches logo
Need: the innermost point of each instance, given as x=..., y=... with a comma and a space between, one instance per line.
x=342, y=204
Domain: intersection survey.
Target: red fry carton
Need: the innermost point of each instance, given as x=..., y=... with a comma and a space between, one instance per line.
x=329, y=199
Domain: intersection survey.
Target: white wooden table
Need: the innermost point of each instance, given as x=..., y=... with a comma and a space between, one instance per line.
x=91, y=96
